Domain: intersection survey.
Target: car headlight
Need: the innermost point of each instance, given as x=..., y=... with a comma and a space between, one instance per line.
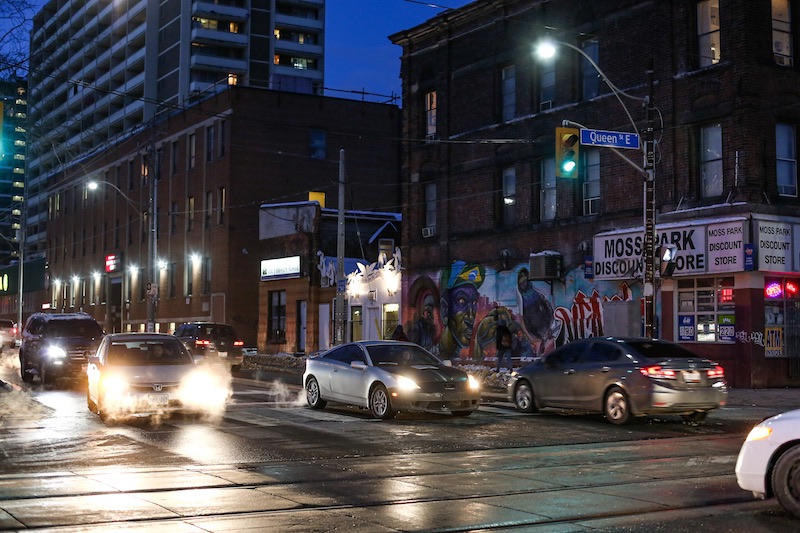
x=406, y=384
x=114, y=385
x=759, y=433
x=55, y=352
x=472, y=382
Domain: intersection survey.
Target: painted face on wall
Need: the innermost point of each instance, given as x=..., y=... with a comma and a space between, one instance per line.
x=463, y=307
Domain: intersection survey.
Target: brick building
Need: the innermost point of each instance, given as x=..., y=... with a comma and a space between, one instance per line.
x=491, y=232
x=214, y=163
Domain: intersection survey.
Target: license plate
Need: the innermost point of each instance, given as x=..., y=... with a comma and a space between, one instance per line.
x=158, y=399
x=223, y=355
x=691, y=376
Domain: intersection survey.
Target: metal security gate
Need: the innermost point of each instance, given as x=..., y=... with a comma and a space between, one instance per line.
x=792, y=340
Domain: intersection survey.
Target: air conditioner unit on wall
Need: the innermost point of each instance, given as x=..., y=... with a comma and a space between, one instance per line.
x=544, y=267
x=428, y=231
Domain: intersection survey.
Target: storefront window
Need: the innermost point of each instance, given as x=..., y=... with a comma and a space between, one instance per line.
x=781, y=306
x=391, y=318
x=706, y=310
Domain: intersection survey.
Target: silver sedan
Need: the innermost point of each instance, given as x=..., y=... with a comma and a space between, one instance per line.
x=387, y=377
x=621, y=378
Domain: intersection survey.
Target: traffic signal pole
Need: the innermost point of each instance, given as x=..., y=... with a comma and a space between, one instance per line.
x=649, y=245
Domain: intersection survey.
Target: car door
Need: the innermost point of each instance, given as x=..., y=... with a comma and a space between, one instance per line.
x=599, y=364
x=554, y=382
x=348, y=382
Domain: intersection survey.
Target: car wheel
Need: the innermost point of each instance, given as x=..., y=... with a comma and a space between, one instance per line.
x=27, y=377
x=616, y=406
x=312, y=394
x=90, y=404
x=523, y=397
x=697, y=416
x=379, y=403
x=47, y=380
x=786, y=480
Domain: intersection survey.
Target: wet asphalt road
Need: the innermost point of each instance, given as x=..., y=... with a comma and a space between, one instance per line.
x=272, y=463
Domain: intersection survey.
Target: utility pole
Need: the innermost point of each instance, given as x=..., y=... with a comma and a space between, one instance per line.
x=649, y=246
x=341, y=282
x=152, y=289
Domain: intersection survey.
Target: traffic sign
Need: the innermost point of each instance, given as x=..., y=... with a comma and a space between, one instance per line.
x=614, y=139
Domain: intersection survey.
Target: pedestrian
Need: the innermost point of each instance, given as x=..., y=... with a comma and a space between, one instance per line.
x=399, y=334
x=503, y=343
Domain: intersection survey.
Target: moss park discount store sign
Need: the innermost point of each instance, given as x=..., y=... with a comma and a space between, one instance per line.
x=733, y=244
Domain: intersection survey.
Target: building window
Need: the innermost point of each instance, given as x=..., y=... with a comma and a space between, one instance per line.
x=786, y=159
x=782, y=33
x=547, y=83
x=708, y=32
x=430, y=115
x=209, y=211
x=706, y=310
x=189, y=214
x=711, y=160
x=391, y=318
x=277, y=316
x=173, y=218
x=173, y=158
x=509, y=196
x=192, y=150
x=781, y=302
x=130, y=230
x=430, y=205
x=509, y=92
x=206, y=275
x=591, y=182
x=209, y=143
x=591, y=77
x=317, y=144
x=548, y=192
x=222, y=198
x=386, y=248
x=189, y=282
x=221, y=139
x=171, y=277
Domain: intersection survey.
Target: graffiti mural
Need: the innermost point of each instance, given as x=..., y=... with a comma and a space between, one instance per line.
x=454, y=312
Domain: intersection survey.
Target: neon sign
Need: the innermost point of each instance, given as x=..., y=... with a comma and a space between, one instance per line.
x=773, y=290
x=792, y=288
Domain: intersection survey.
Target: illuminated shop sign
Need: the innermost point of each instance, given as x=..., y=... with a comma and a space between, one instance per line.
x=281, y=268
x=113, y=263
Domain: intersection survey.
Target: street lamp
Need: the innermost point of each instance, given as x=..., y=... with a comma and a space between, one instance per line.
x=152, y=262
x=547, y=49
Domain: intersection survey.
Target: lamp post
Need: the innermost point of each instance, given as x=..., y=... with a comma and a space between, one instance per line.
x=152, y=245
x=546, y=49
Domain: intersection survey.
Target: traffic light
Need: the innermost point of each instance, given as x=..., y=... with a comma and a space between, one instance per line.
x=567, y=152
x=666, y=257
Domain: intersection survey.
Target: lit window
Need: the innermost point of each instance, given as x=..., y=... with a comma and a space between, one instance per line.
x=706, y=310
x=782, y=33
x=708, y=32
x=711, y=160
x=786, y=159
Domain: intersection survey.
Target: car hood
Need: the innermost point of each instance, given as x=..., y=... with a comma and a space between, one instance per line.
x=73, y=341
x=152, y=373
x=425, y=373
x=789, y=418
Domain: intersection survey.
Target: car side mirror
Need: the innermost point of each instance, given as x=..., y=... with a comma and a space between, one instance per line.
x=447, y=362
x=358, y=365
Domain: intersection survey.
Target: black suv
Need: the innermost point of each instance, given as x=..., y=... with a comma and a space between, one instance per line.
x=212, y=341
x=57, y=345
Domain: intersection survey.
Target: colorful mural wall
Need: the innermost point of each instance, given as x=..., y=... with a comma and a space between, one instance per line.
x=455, y=312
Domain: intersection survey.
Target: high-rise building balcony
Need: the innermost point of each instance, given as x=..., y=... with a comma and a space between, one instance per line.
x=219, y=11
x=227, y=64
x=216, y=37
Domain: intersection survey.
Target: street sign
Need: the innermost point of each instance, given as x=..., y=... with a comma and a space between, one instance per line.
x=614, y=139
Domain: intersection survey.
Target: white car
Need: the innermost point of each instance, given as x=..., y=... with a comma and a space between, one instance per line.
x=769, y=461
x=152, y=373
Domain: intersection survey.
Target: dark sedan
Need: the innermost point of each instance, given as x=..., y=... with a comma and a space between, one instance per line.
x=389, y=376
x=621, y=378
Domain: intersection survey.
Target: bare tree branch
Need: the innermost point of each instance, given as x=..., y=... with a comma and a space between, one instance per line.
x=16, y=22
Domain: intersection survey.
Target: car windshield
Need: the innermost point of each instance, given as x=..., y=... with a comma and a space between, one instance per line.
x=145, y=353
x=661, y=350
x=217, y=332
x=402, y=355
x=73, y=328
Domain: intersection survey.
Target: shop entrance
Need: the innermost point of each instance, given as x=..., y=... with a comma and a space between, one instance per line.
x=792, y=340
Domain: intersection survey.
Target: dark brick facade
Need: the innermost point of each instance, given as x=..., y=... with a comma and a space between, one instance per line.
x=460, y=55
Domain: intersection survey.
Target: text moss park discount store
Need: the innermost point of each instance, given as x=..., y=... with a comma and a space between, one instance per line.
x=735, y=291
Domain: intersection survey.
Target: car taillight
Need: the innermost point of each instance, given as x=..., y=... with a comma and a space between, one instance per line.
x=238, y=343
x=716, y=372
x=657, y=372
x=202, y=342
